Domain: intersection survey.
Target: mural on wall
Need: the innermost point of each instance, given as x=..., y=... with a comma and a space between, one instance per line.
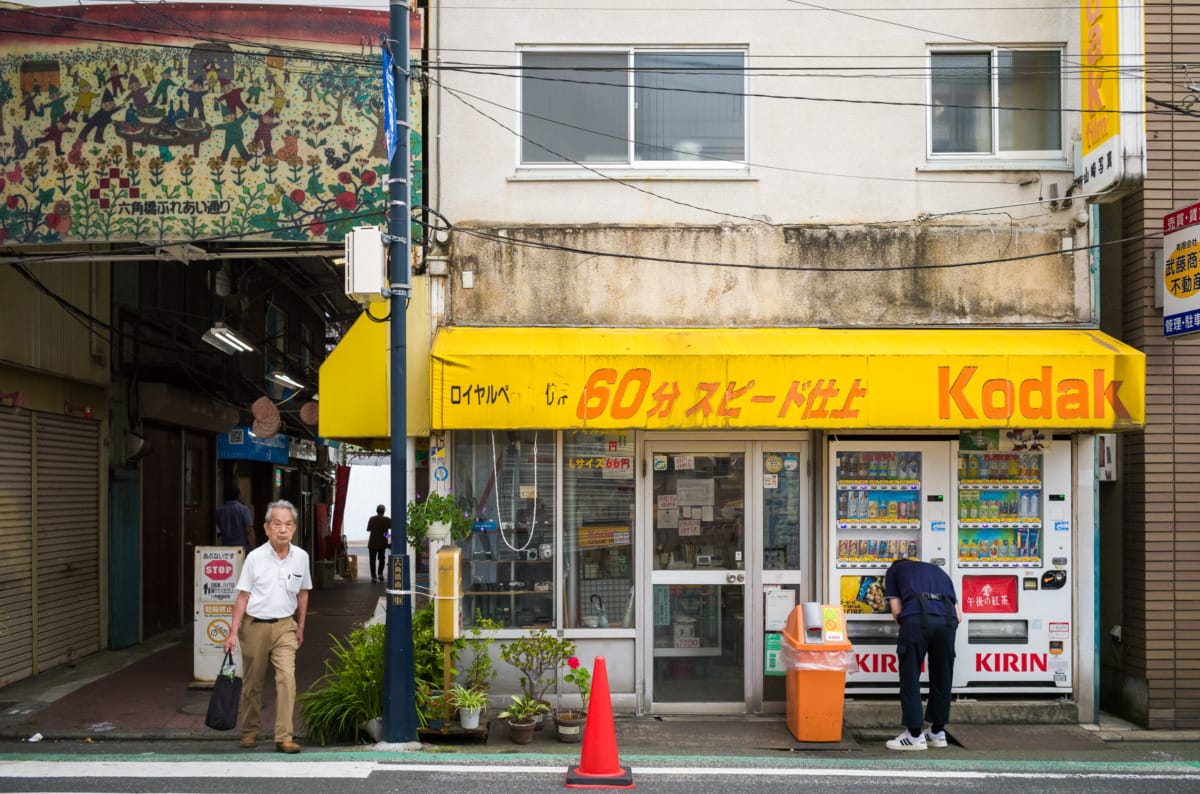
x=173, y=122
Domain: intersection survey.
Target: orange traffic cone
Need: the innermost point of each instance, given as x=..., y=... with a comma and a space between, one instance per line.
x=599, y=766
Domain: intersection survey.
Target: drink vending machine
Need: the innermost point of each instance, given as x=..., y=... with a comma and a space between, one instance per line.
x=998, y=521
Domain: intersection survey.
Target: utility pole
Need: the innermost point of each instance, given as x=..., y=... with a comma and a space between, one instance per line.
x=399, y=685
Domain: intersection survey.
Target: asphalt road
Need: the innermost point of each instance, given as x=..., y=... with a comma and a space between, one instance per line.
x=232, y=773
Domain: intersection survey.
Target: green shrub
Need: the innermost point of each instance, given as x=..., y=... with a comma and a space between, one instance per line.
x=351, y=690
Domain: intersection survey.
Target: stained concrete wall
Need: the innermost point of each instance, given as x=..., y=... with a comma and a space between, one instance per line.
x=764, y=276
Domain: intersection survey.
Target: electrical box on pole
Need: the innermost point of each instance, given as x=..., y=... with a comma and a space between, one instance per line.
x=366, y=265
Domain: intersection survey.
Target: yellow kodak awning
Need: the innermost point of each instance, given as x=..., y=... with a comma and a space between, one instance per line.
x=354, y=380
x=643, y=378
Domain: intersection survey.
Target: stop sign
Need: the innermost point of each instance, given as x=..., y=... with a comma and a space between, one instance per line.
x=218, y=570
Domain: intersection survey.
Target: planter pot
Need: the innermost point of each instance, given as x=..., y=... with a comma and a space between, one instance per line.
x=469, y=718
x=539, y=720
x=569, y=725
x=438, y=530
x=521, y=732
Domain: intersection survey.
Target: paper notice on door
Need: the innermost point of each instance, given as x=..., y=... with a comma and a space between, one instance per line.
x=695, y=492
x=689, y=527
x=665, y=500
x=779, y=604
x=668, y=519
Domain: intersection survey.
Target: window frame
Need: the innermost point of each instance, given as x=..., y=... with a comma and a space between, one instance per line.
x=996, y=156
x=631, y=164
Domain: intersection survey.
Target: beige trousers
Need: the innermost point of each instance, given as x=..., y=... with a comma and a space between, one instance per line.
x=268, y=645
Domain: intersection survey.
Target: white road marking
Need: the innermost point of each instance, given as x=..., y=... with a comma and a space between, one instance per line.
x=196, y=769
x=363, y=769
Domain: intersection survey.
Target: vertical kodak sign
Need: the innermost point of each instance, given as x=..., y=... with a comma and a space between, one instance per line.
x=1100, y=98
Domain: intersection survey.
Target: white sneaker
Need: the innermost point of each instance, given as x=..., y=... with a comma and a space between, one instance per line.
x=935, y=739
x=907, y=742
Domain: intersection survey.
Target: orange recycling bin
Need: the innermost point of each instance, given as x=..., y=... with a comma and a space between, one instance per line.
x=815, y=652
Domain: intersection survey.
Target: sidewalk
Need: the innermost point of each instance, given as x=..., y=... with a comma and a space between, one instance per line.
x=143, y=694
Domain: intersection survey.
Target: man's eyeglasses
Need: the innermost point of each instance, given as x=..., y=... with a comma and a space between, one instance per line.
x=282, y=524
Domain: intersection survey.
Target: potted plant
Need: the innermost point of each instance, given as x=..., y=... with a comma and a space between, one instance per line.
x=481, y=672
x=469, y=702
x=349, y=696
x=522, y=716
x=537, y=656
x=428, y=659
x=569, y=722
x=438, y=517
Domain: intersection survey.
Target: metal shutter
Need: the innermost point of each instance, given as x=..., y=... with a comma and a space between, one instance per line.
x=16, y=546
x=67, y=497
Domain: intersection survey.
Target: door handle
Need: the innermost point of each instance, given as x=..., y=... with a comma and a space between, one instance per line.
x=731, y=578
x=741, y=577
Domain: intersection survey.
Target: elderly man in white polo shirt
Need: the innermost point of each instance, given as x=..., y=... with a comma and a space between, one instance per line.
x=268, y=619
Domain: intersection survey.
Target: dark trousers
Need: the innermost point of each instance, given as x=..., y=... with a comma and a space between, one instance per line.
x=936, y=639
x=377, y=557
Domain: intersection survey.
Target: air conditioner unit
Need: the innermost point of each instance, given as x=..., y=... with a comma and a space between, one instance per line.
x=366, y=265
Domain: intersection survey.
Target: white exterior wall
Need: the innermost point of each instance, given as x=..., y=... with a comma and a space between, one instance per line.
x=474, y=176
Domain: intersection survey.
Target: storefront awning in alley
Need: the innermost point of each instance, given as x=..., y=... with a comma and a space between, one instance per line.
x=644, y=378
x=354, y=380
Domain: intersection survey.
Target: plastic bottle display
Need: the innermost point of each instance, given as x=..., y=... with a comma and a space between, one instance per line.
x=999, y=508
x=878, y=500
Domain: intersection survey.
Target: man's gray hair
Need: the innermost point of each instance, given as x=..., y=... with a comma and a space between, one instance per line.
x=283, y=504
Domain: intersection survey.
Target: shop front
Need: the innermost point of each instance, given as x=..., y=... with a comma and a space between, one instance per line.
x=665, y=497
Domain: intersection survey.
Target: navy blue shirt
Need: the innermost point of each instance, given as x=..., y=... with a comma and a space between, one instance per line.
x=908, y=579
x=233, y=518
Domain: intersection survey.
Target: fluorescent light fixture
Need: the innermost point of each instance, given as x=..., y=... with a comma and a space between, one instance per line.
x=226, y=340
x=283, y=379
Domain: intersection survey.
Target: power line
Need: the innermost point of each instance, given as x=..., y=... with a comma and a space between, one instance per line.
x=737, y=163
x=764, y=95
x=542, y=245
x=651, y=193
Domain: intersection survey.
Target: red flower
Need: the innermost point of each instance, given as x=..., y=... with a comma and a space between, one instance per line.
x=317, y=228
x=573, y=662
x=344, y=177
x=12, y=202
x=298, y=196
x=347, y=199
x=52, y=220
x=368, y=178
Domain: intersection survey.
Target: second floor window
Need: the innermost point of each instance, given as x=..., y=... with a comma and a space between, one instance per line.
x=633, y=107
x=996, y=103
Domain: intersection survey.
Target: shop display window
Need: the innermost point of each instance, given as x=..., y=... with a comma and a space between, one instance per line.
x=508, y=476
x=512, y=561
x=598, y=523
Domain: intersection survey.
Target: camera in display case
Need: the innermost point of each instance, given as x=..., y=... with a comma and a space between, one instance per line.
x=505, y=576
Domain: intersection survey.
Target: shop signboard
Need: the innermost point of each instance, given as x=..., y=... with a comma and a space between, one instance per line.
x=1181, y=271
x=240, y=444
x=216, y=575
x=784, y=378
x=1112, y=105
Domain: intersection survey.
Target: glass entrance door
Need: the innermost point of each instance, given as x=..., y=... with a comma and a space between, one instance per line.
x=697, y=508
